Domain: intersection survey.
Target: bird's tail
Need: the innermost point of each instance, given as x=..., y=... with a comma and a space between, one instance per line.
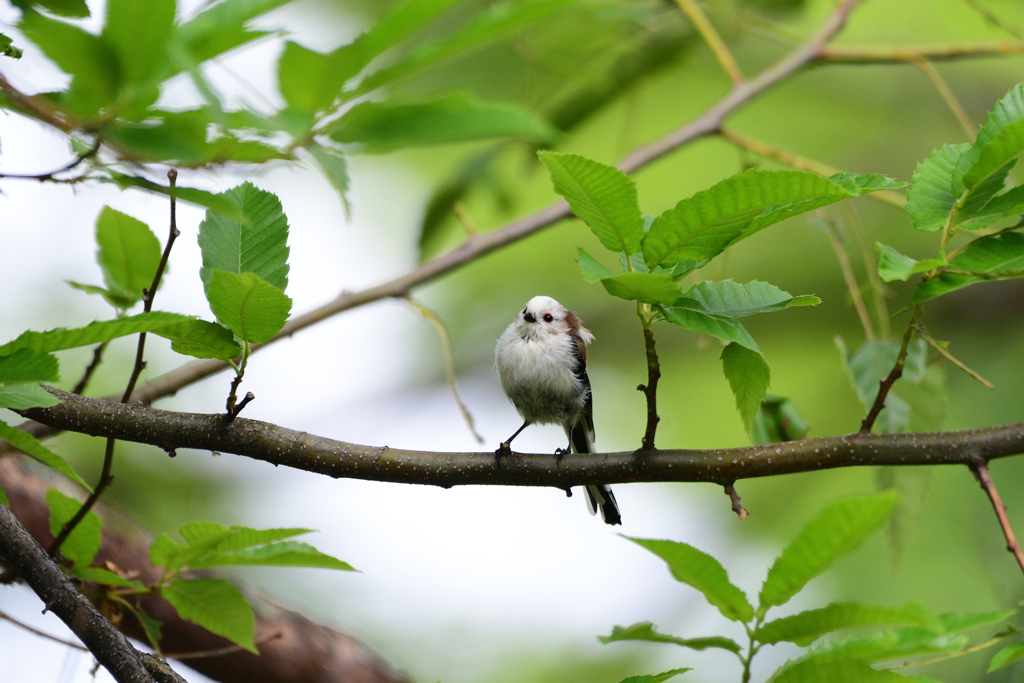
x=599, y=496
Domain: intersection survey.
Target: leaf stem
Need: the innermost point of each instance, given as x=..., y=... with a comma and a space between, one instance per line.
x=711, y=37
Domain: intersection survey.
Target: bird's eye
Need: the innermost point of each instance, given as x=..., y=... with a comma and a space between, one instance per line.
x=548, y=317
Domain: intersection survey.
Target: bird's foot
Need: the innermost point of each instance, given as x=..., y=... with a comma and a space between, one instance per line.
x=559, y=454
x=503, y=451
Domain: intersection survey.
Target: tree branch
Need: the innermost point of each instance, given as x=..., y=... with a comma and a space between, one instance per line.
x=60, y=596
x=280, y=446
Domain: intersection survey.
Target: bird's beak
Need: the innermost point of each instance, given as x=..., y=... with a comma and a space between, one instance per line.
x=528, y=317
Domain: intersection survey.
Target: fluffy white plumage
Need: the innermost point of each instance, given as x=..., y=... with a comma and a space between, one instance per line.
x=542, y=361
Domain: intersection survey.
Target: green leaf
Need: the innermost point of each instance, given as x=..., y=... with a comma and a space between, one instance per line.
x=94, y=333
x=129, y=253
x=281, y=554
x=25, y=365
x=115, y=299
x=73, y=9
x=645, y=631
x=644, y=287
x=592, y=269
x=217, y=606
x=999, y=141
x=996, y=257
x=103, y=576
x=84, y=542
x=26, y=395
x=27, y=443
x=957, y=622
x=86, y=58
x=865, y=184
x=734, y=300
x=4, y=500
x=806, y=627
x=748, y=375
x=215, y=202
x=7, y=48
x=138, y=31
x=335, y=167
x=379, y=127
x=497, y=22
x=837, y=531
x=703, y=572
x=1007, y=656
x=656, y=678
x=221, y=27
x=151, y=626
x=602, y=196
x=816, y=671
x=248, y=305
x=235, y=537
x=778, y=420
x=255, y=243
x=872, y=363
x=702, y=322
x=892, y=265
x=887, y=646
x=202, y=339
x=702, y=226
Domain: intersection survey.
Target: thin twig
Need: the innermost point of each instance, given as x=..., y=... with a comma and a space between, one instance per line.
x=106, y=476
x=449, y=361
x=711, y=37
x=993, y=19
x=737, y=505
x=650, y=391
x=42, y=634
x=885, y=385
x=888, y=55
x=980, y=470
x=952, y=359
x=221, y=651
x=850, y=279
x=97, y=357
x=91, y=152
x=947, y=94
x=871, y=269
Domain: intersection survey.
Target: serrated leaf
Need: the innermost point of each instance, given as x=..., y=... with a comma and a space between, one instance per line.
x=996, y=257
x=806, y=627
x=837, y=531
x=248, y=305
x=887, y=646
x=703, y=572
x=205, y=539
x=27, y=443
x=1007, y=656
x=128, y=254
x=25, y=396
x=748, y=375
x=280, y=554
x=703, y=322
x=892, y=265
x=646, y=631
x=335, y=168
x=25, y=365
x=380, y=127
x=215, y=202
x=817, y=671
x=202, y=339
x=734, y=300
x=656, y=678
x=645, y=287
x=84, y=542
x=702, y=226
x=94, y=333
x=864, y=184
x=255, y=243
x=602, y=196
x=1000, y=139
x=217, y=606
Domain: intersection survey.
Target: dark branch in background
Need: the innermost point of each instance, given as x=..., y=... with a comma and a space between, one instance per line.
x=884, y=385
x=108, y=455
x=88, y=154
x=292, y=648
x=980, y=471
x=650, y=391
x=270, y=443
x=97, y=358
x=110, y=647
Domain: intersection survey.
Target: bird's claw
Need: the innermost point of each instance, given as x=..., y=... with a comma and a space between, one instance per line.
x=503, y=451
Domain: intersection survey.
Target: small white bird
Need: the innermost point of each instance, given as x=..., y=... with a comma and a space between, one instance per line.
x=542, y=361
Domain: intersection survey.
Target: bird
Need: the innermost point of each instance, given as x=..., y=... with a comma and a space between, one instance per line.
x=541, y=359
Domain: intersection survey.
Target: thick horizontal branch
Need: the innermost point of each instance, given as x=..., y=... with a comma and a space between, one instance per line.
x=280, y=446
